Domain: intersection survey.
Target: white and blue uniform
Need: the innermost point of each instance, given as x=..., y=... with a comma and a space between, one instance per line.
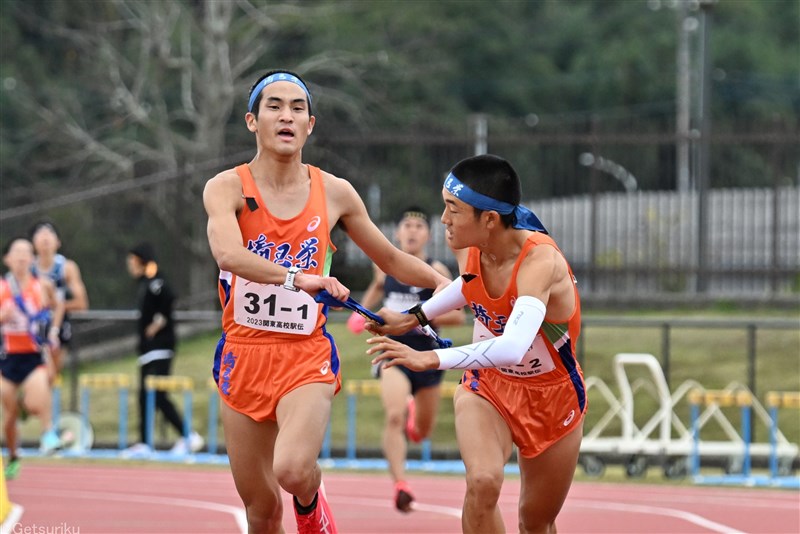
x=57, y=275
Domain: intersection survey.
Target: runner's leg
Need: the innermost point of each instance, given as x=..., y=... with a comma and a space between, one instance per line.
x=427, y=402
x=485, y=443
x=395, y=389
x=250, y=449
x=38, y=396
x=303, y=415
x=8, y=393
x=545, y=482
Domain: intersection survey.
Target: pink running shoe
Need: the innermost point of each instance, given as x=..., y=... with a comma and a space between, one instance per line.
x=411, y=431
x=319, y=521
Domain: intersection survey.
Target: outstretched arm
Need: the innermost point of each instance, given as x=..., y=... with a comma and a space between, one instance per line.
x=537, y=274
x=453, y=317
x=355, y=220
x=502, y=351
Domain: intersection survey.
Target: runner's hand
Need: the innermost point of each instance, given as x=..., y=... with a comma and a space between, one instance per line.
x=313, y=284
x=396, y=323
x=393, y=353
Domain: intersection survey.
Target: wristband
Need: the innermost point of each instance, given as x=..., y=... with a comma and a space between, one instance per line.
x=417, y=312
x=290, y=275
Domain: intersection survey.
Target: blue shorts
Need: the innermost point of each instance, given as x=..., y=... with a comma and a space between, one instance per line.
x=17, y=367
x=420, y=379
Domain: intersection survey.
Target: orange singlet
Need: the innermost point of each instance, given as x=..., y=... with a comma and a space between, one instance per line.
x=17, y=338
x=544, y=397
x=274, y=340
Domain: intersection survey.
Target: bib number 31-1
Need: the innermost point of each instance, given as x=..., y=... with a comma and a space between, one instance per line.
x=275, y=309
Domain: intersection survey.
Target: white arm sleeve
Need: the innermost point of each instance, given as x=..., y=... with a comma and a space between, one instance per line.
x=448, y=299
x=505, y=350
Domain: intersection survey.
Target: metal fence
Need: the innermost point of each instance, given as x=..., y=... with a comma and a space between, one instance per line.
x=646, y=243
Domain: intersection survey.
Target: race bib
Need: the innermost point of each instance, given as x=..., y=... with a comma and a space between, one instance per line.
x=537, y=361
x=272, y=308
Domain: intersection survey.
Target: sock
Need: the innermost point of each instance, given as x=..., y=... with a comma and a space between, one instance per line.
x=305, y=510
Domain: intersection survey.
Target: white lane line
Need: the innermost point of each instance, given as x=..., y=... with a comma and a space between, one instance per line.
x=695, y=519
x=238, y=513
x=600, y=505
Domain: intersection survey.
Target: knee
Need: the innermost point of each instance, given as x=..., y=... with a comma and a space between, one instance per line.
x=395, y=418
x=265, y=515
x=294, y=474
x=35, y=405
x=425, y=428
x=531, y=522
x=485, y=485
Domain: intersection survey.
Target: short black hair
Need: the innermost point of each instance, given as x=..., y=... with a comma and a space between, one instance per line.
x=143, y=251
x=492, y=176
x=44, y=223
x=413, y=211
x=257, y=101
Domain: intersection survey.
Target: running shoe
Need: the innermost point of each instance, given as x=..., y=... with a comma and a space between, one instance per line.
x=411, y=415
x=319, y=520
x=50, y=442
x=12, y=469
x=139, y=450
x=403, y=496
x=192, y=445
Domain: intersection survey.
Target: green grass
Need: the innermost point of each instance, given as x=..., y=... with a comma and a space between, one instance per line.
x=715, y=358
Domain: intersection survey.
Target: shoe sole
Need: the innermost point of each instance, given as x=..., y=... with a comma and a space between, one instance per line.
x=403, y=501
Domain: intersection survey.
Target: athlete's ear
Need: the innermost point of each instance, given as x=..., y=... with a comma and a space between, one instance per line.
x=492, y=218
x=250, y=121
x=311, y=121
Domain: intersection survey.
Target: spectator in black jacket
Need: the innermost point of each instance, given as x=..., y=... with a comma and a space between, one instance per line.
x=156, y=330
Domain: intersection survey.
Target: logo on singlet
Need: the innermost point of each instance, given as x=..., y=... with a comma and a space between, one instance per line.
x=228, y=361
x=314, y=224
x=569, y=418
x=324, y=369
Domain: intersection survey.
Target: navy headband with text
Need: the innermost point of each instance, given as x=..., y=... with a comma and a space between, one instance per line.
x=526, y=219
x=277, y=77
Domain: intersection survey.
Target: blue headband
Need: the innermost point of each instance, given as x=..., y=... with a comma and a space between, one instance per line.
x=526, y=219
x=277, y=77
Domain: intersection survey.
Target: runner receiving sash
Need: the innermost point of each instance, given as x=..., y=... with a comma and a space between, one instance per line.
x=522, y=384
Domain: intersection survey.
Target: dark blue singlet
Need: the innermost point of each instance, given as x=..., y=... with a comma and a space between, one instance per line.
x=400, y=297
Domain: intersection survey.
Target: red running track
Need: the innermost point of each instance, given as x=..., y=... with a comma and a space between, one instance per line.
x=93, y=498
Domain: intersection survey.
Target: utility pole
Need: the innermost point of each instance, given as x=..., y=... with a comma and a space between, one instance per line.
x=686, y=25
x=704, y=156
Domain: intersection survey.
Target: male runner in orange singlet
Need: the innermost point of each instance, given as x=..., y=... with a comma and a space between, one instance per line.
x=523, y=385
x=276, y=367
